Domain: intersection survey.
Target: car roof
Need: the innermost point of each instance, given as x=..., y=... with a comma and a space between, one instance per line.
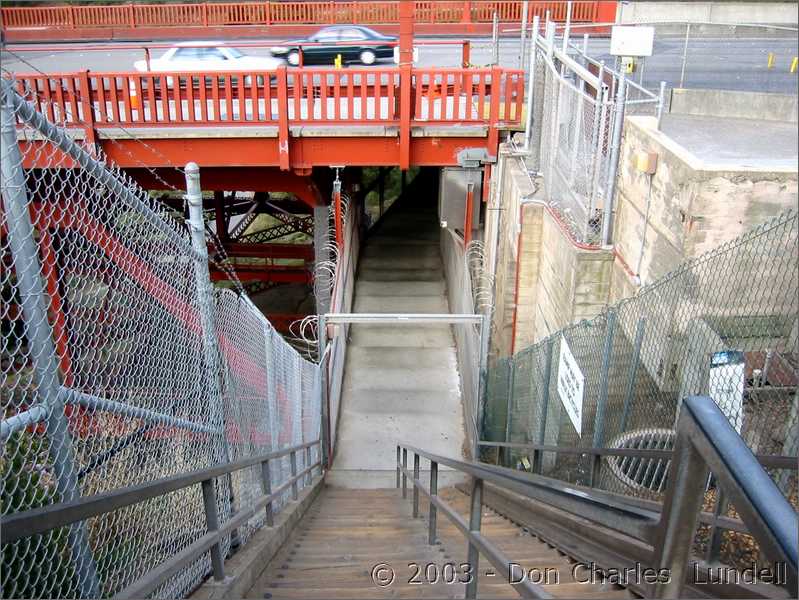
x=199, y=44
x=339, y=27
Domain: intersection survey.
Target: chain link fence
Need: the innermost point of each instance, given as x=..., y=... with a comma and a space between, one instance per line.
x=578, y=107
x=111, y=376
x=724, y=325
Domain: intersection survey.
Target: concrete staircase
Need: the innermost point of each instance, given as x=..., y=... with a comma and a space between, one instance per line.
x=400, y=381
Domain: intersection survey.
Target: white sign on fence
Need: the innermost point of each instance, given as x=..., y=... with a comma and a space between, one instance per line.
x=571, y=385
x=726, y=384
x=632, y=41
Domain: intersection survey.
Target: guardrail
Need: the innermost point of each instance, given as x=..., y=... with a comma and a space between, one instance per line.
x=298, y=96
x=706, y=443
x=208, y=14
x=40, y=520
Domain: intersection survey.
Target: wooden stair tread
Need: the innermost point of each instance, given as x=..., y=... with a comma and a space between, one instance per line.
x=345, y=533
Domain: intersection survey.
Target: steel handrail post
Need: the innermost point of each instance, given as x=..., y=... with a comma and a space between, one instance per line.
x=475, y=522
x=415, y=485
x=404, y=475
x=431, y=531
x=399, y=470
x=293, y=464
x=266, y=482
x=212, y=524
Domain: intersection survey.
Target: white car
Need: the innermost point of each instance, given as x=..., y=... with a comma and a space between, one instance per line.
x=207, y=57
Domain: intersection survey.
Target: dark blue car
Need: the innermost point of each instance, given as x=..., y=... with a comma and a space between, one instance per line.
x=354, y=42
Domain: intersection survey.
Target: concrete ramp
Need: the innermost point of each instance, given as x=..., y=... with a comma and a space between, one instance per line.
x=401, y=382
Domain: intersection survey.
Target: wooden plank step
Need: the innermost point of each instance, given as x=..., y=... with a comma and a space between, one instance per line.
x=348, y=532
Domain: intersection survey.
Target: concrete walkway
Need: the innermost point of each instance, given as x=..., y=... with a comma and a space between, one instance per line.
x=400, y=381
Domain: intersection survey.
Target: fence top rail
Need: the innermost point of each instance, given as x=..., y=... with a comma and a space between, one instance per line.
x=651, y=96
x=769, y=461
x=38, y=520
x=400, y=318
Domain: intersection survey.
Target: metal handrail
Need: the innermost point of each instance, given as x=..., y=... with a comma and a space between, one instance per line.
x=478, y=544
x=53, y=516
x=706, y=442
x=605, y=508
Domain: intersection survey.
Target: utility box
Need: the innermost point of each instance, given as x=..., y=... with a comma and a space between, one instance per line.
x=452, y=191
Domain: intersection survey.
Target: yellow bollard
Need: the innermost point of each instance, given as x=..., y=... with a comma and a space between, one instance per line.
x=771, y=60
x=794, y=64
x=337, y=61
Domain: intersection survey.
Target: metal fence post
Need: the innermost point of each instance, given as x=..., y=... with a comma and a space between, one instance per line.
x=597, y=137
x=38, y=332
x=431, y=531
x=531, y=83
x=628, y=397
x=567, y=26
x=509, y=406
x=542, y=422
x=661, y=102
x=212, y=523
x=554, y=142
x=602, y=401
x=613, y=165
x=205, y=299
x=523, y=35
x=685, y=54
x=495, y=40
x=475, y=519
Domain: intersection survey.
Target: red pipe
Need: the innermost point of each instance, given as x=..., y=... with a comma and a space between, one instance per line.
x=337, y=216
x=467, y=226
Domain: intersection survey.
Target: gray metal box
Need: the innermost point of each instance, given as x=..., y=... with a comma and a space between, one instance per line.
x=452, y=197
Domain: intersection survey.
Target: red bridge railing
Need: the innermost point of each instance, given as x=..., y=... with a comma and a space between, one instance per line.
x=284, y=13
x=491, y=97
x=300, y=96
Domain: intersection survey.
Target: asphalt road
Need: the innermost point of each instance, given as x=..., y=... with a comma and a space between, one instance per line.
x=722, y=63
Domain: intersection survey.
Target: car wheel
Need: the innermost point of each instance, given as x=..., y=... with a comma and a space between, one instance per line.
x=293, y=58
x=368, y=57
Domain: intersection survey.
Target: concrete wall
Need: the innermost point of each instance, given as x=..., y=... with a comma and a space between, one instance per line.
x=710, y=12
x=559, y=281
x=509, y=184
x=735, y=104
x=567, y=283
x=690, y=210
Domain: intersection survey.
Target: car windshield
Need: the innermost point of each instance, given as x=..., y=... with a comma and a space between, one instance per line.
x=234, y=52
